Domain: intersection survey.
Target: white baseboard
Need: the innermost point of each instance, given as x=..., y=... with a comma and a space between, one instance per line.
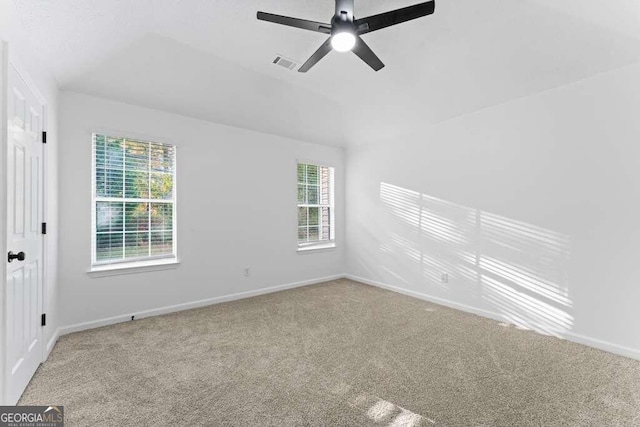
x=50, y=344
x=602, y=345
x=189, y=305
x=568, y=335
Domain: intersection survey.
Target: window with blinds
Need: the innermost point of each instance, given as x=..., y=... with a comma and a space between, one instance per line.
x=315, y=205
x=133, y=200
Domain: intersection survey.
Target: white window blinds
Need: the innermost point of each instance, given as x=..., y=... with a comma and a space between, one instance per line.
x=315, y=204
x=133, y=200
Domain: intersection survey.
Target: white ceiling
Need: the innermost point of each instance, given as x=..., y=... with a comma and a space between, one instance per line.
x=212, y=59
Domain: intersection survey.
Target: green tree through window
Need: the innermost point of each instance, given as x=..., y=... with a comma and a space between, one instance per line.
x=315, y=204
x=133, y=200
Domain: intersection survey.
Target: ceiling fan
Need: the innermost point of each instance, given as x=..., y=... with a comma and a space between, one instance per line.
x=345, y=30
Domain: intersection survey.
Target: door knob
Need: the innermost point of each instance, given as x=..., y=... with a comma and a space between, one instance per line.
x=19, y=256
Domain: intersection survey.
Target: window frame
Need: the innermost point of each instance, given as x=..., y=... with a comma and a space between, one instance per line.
x=137, y=264
x=320, y=245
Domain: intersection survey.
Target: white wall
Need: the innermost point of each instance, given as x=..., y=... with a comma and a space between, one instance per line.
x=236, y=208
x=21, y=52
x=530, y=207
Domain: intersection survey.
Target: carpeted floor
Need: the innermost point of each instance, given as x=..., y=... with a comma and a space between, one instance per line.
x=338, y=353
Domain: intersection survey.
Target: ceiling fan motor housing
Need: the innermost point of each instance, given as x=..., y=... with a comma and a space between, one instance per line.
x=344, y=10
x=342, y=21
x=343, y=27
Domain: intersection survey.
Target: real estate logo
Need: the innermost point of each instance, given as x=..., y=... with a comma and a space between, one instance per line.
x=31, y=416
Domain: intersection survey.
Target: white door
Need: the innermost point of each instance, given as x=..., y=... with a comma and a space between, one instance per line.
x=24, y=217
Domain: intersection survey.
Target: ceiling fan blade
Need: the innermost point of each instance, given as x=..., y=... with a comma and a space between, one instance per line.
x=317, y=56
x=366, y=54
x=398, y=16
x=295, y=22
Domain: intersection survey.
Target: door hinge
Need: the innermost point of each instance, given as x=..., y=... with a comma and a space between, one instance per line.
x=44, y=137
x=43, y=319
x=44, y=228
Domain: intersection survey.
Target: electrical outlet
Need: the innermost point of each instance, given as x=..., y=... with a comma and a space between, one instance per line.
x=445, y=278
x=246, y=272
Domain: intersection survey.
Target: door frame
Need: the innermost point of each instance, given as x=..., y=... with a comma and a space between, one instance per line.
x=4, y=78
x=6, y=62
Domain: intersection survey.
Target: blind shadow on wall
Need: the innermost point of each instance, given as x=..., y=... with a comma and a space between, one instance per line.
x=510, y=267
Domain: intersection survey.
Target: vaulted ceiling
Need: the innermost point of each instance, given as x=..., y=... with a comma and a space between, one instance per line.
x=212, y=59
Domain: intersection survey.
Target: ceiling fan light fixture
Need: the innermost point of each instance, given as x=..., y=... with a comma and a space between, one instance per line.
x=343, y=41
x=345, y=31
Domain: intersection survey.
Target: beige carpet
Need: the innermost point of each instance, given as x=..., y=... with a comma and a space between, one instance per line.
x=338, y=353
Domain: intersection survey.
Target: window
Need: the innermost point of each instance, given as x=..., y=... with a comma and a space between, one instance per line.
x=133, y=200
x=315, y=206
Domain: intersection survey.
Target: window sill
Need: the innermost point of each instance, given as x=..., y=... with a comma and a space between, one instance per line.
x=322, y=247
x=133, y=267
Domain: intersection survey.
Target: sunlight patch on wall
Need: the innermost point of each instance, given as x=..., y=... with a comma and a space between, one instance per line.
x=405, y=205
x=516, y=269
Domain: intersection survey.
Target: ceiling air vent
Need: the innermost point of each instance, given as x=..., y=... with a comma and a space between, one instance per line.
x=287, y=63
